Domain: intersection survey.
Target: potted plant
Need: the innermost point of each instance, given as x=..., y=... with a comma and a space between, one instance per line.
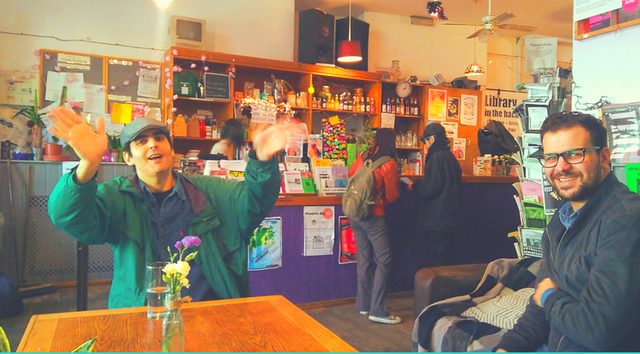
x=34, y=123
x=114, y=147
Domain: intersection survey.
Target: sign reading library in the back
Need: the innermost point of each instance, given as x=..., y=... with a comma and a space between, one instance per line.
x=217, y=86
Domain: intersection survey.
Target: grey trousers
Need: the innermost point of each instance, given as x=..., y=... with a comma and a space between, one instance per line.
x=372, y=246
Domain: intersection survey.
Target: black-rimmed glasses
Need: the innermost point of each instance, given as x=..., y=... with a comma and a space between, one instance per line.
x=573, y=156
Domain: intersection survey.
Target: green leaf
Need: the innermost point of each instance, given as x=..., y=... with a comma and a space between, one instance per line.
x=86, y=346
x=4, y=342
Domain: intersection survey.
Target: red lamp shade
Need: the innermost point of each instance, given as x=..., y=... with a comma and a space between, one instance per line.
x=349, y=52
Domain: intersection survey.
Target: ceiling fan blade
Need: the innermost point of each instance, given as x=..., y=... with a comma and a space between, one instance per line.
x=503, y=17
x=513, y=27
x=460, y=24
x=476, y=33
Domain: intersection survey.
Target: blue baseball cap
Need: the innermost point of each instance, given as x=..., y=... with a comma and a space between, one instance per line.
x=137, y=126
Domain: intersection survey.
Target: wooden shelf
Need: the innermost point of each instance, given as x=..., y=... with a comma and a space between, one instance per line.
x=301, y=200
x=613, y=28
x=405, y=116
x=195, y=138
x=194, y=99
x=342, y=111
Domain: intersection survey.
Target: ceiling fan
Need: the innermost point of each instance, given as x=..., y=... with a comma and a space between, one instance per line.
x=490, y=24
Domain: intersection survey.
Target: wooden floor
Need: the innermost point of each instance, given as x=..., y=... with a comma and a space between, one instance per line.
x=339, y=316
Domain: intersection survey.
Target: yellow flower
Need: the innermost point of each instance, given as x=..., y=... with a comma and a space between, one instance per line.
x=185, y=282
x=170, y=269
x=183, y=268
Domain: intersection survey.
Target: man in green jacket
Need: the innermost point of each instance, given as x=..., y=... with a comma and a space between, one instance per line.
x=139, y=216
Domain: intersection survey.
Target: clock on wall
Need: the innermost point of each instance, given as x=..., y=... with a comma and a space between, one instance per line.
x=403, y=89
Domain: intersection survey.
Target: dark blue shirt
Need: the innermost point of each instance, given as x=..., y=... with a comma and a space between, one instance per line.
x=170, y=223
x=567, y=215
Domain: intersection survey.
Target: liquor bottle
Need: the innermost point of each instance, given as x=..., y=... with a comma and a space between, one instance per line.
x=384, y=106
x=367, y=107
x=363, y=106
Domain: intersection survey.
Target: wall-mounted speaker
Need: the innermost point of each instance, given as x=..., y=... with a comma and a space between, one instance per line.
x=316, y=35
x=359, y=32
x=464, y=82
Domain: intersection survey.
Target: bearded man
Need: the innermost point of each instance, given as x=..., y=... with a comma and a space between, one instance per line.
x=588, y=291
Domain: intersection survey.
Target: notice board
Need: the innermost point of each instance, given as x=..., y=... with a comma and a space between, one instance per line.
x=133, y=81
x=82, y=69
x=97, y=81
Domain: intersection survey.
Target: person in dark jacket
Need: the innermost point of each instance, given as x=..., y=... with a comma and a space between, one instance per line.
x=588, y=291
x=141, y=215
x=439, y=196
x=372, y=241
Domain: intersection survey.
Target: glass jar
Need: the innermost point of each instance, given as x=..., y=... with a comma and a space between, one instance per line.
x=173, y=325
x=325, y=93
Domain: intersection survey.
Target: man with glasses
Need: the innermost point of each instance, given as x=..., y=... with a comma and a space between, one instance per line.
x=588, y=291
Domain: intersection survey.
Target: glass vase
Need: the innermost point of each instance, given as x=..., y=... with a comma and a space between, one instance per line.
x=173, y=325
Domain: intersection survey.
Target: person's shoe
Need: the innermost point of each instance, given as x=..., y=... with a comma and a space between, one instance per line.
x=391, y=319
x=364, y=313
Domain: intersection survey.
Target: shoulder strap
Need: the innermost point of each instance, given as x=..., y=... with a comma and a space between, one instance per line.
x=379, y=162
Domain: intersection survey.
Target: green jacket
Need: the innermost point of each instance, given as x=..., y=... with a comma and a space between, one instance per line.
x=116, y=213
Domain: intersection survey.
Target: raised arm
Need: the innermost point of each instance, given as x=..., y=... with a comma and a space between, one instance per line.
x=88, y=144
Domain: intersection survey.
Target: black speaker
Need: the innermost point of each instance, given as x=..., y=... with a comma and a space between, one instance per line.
x=464, y=82
x=315, y=37
x=359, y=32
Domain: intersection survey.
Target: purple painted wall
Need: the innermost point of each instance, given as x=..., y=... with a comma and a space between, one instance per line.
x=304, y=279
x=489, y=213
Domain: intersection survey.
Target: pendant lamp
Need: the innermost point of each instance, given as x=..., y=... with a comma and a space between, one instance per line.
x=349, y=51
x=474, y=69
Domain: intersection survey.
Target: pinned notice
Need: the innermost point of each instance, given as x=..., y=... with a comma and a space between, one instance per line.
x=121, y=112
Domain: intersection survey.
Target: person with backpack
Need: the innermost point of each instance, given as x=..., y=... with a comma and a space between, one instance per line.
x=373, y=184
x=439, y=193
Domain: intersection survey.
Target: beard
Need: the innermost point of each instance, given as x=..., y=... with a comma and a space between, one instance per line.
x=585, y=189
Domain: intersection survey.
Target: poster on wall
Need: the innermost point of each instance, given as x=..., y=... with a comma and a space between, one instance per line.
x=348, y=252
x=468, y=110
x=19, y=87
x=437, y=105
x=453, y=108
x=586, y=8
x=451, y=129
x=624, y=133
x=265, y=245
x=460, y=148
x=319, y=231
x=498, y=105
x=541, y=53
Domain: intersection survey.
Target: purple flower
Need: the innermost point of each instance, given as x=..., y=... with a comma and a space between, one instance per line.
x=191, y=241
x=178, y=245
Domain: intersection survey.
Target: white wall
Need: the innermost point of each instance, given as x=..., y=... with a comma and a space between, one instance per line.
x=422, y=50
x=506, y=61
x=607, y=65
x=248, y=27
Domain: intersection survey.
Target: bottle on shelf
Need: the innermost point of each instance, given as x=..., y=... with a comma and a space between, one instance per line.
x=179, y=126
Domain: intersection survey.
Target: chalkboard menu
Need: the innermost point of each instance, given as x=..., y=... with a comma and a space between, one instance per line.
x=217, y=86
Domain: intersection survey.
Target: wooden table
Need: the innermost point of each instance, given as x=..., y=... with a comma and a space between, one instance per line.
x=266, y=323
